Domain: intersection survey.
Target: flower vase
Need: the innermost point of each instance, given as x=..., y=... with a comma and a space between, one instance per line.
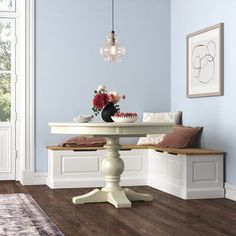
x=108, y=111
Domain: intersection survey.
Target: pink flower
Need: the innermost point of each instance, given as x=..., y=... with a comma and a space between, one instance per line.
x=114, y=98
x=100, y=100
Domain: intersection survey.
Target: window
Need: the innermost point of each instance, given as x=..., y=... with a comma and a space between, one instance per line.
x=9, y=51
x=16, y=88
x=7, y=65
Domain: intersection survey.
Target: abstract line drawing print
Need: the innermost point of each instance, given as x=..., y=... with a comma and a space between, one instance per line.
x=203, y=62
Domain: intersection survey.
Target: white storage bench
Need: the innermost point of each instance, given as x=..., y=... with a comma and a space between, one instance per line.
x=81, y=167
x=186, y=173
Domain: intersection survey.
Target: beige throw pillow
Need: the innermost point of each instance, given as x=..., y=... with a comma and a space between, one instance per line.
x=161, y=117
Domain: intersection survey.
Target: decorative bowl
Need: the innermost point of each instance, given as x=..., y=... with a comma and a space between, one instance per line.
x=82, y=119
x=124, y=119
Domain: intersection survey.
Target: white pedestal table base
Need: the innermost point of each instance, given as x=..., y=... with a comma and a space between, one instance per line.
x=120, y=199
x=112, y=168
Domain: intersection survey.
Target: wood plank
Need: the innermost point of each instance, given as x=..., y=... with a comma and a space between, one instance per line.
x=123, y=147
x=188, y=151
x=165, y=215
x=184, y=151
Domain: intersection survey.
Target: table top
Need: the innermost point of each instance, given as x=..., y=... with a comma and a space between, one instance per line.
x=138, y=129
x=109, y=124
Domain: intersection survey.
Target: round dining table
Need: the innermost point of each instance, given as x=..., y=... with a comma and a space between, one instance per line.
x=112, y=165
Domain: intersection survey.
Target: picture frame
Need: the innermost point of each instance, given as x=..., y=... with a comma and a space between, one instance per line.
x=205, y=62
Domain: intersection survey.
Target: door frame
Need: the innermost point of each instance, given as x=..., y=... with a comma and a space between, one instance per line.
x=26, y=123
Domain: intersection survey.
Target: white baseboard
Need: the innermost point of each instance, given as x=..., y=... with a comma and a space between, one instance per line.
x=33, y=178
x=90, y=183
x=156, y=183
x=205, y=193
x=41, y=178
x=179, y=191
x=230, y=191
x=73, y=183
x=133, y=181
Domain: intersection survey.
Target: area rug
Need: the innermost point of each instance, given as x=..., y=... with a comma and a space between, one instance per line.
x=21, y=215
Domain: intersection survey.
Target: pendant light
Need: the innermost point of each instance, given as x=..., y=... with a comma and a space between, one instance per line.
x=112, y=50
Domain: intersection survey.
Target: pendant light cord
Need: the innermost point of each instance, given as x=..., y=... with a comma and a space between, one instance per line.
x=113, y=13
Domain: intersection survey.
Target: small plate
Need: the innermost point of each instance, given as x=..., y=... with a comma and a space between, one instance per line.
x=130, y=119
x=82, y=119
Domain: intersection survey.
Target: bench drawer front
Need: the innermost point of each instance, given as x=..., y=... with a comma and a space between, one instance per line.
x=205, y=171
x=174, y=167
x=73, y=169
x=133, y=162
x=136, y=164
x=80, y=164
x=167, y=167
x=71, y=163
x=157, y=163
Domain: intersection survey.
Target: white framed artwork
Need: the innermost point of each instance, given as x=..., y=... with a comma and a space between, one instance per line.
x=205, y=62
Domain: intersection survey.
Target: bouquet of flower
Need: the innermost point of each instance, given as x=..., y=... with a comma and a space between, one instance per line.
x=102, y=98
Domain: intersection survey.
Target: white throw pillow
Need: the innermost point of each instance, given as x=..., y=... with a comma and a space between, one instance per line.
x=161, y=117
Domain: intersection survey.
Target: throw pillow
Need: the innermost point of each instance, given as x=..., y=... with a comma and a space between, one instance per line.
x=81, y=141
x=182, y=137
x=161, y=117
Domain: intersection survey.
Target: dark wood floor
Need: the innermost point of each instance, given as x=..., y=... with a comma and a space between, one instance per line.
x=166, y=215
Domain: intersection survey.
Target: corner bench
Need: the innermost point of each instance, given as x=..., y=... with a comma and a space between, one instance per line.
x=187, y=173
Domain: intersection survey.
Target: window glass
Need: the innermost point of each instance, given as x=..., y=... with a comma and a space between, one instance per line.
x=5, y=97
x=7, y=5
x=5, y=69
x=5, y=46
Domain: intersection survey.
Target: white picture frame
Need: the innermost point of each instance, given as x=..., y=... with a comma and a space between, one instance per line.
x=205, y=62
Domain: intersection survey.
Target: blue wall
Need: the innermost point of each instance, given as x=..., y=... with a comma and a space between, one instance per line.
x=69, y=67
x=216, y=114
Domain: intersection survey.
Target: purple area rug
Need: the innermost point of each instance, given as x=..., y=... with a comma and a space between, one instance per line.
x=21, y=215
